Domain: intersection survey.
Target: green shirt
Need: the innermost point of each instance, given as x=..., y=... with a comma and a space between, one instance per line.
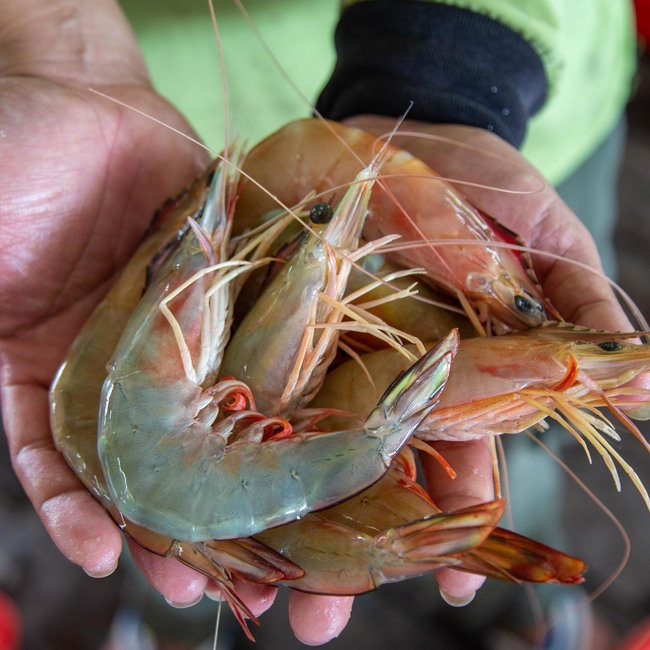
x=587, y=47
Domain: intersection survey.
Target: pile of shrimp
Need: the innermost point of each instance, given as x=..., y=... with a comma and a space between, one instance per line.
x=245, y=396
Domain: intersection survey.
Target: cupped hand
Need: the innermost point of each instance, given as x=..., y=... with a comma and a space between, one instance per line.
x=80, y=179
x=481, y=161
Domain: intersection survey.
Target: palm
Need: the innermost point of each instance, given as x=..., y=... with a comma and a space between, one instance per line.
x=80, y=183
x=80, y=179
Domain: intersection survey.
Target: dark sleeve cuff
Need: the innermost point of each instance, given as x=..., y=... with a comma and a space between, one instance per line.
x=455, y=66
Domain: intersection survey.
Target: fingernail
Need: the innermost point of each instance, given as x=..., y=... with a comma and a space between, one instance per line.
x=215, y=595
x=184, y=605
x=100, y=574
x=456, y=601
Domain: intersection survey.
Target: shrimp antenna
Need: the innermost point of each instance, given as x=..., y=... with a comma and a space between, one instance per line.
x=541, y=183
x=288, y=209
x=251, y=23
x=224, y=76
x=610, y=515
x=217, y=624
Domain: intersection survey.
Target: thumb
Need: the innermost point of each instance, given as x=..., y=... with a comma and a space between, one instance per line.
x=73, y=41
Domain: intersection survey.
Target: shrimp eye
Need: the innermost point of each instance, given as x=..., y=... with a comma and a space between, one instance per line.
x=528, y=306
x=610, y=346
x=321, y=213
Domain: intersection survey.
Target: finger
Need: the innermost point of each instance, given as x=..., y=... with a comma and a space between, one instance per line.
x=457, y=587
x=474, y=483
x=318, y=619
x=78, y=525
x=180, y=585
x=581, y=292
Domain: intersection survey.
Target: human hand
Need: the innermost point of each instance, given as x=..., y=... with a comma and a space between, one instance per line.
x=80, y=179
x=544, y=222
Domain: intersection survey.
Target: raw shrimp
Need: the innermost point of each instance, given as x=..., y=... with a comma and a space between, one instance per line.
x=506, y=384
x=286, y=342
x=410, y=199
x=393, y=531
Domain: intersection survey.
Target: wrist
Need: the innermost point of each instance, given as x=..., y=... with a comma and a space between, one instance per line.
x=74, y=41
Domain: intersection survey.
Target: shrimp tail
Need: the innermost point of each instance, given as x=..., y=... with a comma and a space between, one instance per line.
x=194, y=556
x=410, y=398
x=508, y=556
x=208, y=563
x=245, y=558
x=420, y=546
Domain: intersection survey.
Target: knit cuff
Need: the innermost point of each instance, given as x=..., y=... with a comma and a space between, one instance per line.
x=455, y=66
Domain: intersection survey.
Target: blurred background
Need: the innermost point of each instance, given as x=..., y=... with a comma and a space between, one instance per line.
x=60, y=608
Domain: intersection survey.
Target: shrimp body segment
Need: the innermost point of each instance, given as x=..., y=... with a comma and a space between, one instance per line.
x=393, y=531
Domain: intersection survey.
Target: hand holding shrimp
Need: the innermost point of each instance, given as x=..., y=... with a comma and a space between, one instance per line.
x=39, y=331
x=66, y=245
x=543, y=221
